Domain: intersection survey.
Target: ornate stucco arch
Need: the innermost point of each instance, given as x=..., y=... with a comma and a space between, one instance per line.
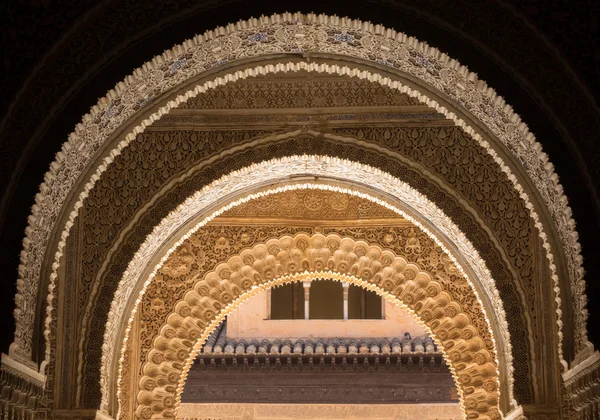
x=184, y=219
x=288, y=259
x=350, y=144
x=336, y=46
x=427, y=64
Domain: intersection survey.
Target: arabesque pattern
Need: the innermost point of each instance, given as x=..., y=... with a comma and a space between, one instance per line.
x=305, y=164
x=292, y=259
x=277, y=34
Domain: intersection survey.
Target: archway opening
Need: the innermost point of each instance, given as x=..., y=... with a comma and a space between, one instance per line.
x=176, y=262
x=300, y=258
x=252, y=364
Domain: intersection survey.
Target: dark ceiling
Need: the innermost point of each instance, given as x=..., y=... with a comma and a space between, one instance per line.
x=58, y=57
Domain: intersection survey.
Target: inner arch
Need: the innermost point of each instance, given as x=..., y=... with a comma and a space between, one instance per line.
x=301, y=277
x=389, y=275
x=279, y=169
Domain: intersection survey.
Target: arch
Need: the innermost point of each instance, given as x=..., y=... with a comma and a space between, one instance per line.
x=379, y=157
x=290, y=259
x=120, y=105
x=417, y=208
x=210, y=245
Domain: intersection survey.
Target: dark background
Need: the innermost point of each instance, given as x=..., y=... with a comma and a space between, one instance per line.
x=57, y=57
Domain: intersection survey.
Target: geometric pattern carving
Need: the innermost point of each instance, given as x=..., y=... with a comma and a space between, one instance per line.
x=279, y=261
x=387, y=184
x=210, y=245
x=343, y=37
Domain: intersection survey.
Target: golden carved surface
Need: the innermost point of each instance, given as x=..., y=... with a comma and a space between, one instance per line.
x=311, y=204
x=211, y=245
x=468, y=350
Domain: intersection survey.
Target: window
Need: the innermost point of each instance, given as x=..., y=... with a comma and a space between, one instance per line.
x=363, y=303
x=324, y=299
x=287, y=301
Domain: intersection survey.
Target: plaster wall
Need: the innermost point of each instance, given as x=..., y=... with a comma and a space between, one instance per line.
x=250, y=321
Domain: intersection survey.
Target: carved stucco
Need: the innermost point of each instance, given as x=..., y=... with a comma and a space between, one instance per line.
x=194, y=204
x=433, y=67
x=521, y=354
x=269, y=93
x=310, y=205
x=211, y=245
x=469, y=352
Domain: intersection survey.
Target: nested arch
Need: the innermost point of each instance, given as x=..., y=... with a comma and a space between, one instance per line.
x=469, y=351
x=281, y=169
x=392, y=48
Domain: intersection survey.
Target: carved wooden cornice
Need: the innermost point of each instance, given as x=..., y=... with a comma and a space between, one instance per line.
x=293, y=379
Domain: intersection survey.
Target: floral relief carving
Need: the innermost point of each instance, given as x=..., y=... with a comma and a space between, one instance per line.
x=206, y=297
x=180, y=264
x=332, y=161
x=324, y=205
x=365, y=204
x=311, y=33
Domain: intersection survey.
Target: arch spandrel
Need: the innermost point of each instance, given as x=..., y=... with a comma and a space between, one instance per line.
x=453, y=73
x=288, y=259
